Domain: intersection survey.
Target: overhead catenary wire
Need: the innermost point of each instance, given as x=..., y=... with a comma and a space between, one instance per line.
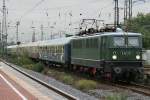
x=54, y=8
x=30, y=10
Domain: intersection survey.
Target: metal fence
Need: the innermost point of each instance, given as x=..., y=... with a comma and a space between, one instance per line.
x=146, y=57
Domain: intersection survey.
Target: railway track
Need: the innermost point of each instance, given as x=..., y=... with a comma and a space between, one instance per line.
x=60, y=92
x=138, y=88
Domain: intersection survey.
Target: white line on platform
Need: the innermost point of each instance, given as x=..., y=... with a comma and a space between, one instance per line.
x=23, y=98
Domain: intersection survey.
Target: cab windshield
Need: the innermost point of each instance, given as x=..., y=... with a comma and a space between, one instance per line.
x=133, y=41
x=119, y=41
x=122, y=41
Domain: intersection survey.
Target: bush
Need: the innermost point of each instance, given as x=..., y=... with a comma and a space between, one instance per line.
x=116, y=97
x=24, y=60
x=67, y=79
x=86, y=84
x=38, y=67
x=21, y=60
x=29, y=66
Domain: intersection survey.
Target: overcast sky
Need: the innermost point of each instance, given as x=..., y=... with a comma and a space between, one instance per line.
x=57, y=13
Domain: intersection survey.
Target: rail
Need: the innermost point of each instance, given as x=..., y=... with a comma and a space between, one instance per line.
x=138, y=88
x=64, y=94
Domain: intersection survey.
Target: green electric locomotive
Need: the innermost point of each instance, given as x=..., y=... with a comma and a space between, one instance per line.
x=113, y=55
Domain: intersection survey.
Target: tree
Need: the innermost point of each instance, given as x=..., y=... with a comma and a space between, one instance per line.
x=141, y=24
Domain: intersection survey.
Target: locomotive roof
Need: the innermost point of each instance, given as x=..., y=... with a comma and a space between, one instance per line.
x=120, y=33
x=109, y=34
x=64, y=40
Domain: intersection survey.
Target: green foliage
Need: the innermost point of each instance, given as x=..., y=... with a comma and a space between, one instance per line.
x=38, y=67
x=20, y=60
x=86, y=84
x=68, y=79
x=24, y=61
x=141, y=24
x=116, y=97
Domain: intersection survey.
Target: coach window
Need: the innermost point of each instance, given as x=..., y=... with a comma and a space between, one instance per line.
x=60, y=49
x=53, y=49
x=42, y=49
x=45, y=48
x=50, y=49
x=57, y=49
x=34, y=49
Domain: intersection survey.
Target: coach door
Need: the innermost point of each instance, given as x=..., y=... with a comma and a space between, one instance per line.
x=103, y=48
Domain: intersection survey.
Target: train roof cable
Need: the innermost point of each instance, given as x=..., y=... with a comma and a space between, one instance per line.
x=30, y=10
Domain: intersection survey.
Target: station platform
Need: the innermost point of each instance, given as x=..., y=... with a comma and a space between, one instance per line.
x=16, y=86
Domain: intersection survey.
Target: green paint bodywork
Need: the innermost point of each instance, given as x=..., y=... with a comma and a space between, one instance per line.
x=103, y=51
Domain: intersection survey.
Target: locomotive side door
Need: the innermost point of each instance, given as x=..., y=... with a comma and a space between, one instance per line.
x=103, y=45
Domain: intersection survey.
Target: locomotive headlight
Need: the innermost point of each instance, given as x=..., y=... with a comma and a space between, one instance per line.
x=114, y=57
x=137, y=57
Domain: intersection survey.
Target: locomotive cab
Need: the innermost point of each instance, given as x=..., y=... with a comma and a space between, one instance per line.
x=124, y=54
